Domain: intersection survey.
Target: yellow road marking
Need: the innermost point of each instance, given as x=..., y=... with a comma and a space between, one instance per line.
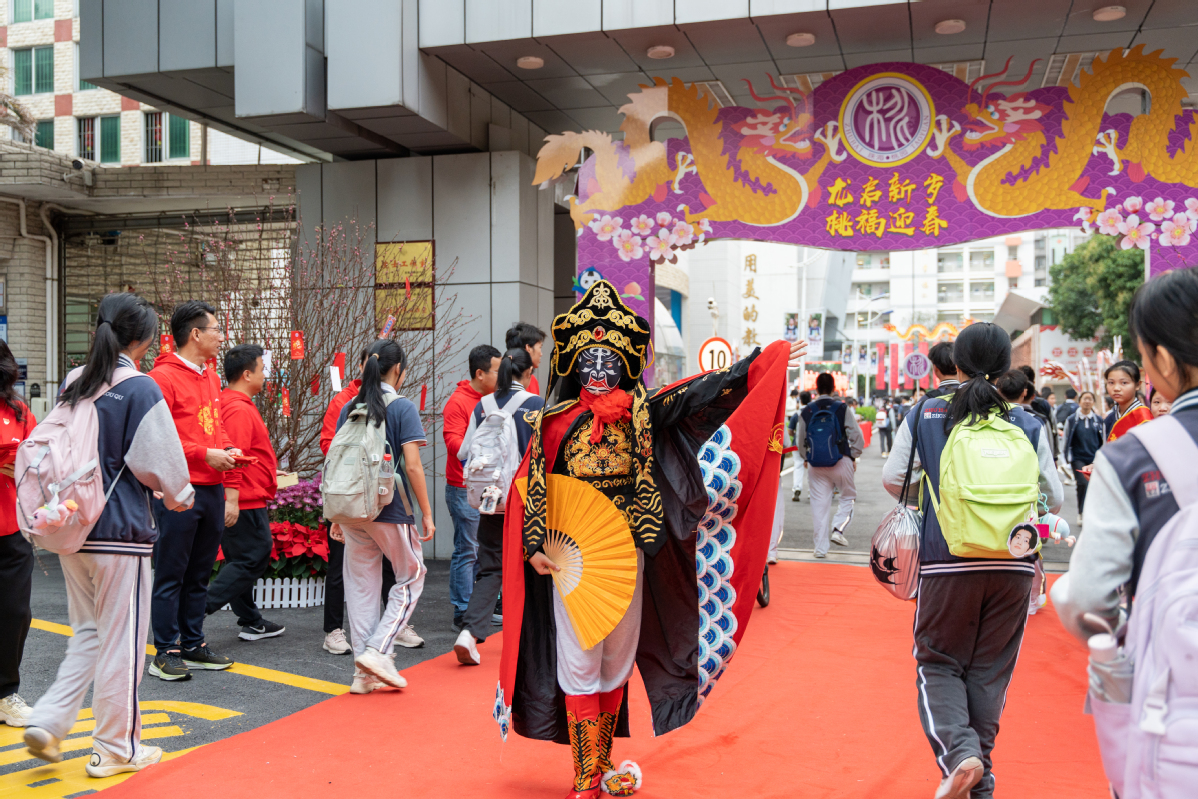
x=63, y=779
x=245, y=669
x=12, y=735
x=75, y=744
x=206, y=712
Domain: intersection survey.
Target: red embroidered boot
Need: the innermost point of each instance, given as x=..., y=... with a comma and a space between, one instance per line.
x=615, y=781
x=582, y=719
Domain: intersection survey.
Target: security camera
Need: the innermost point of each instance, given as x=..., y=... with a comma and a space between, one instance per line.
x=712, y=305
x=77, y=164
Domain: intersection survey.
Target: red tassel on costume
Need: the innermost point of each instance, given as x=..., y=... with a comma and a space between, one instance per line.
x=607, y=408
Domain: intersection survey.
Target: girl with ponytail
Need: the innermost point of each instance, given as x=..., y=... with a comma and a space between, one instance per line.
x=958, y=596
x=108, y=579
x=393, y=534
x=515, y=375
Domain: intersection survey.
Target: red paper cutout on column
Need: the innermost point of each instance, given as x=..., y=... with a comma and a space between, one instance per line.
x=297, y=345
x=315, y=385
x=286, y=402
x=166, y=344
x=423, y=394
x=339, y=362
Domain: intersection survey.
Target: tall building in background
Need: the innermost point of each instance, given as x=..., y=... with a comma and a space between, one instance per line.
x=40, y=43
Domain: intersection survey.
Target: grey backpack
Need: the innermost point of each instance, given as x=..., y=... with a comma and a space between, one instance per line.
x=358, y=479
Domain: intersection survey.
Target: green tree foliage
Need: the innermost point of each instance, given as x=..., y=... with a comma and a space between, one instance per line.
x=1091, y=290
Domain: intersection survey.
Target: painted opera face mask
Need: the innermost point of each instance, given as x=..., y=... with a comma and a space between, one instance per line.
x=599, y=370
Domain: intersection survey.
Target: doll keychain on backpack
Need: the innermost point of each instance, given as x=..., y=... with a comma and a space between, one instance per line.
x=1053, y=526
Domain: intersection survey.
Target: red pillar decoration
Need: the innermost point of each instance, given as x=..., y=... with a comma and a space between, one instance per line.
x=881, y=380
x=894, y=368
x=908, y=383
x=926, y=382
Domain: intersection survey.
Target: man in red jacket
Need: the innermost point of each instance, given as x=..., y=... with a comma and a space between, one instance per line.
x=249, y=489
x=463, y=565
x=334, y=586
x=188, y=540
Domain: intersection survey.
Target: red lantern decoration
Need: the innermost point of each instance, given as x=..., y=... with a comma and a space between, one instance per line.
x=297, y=345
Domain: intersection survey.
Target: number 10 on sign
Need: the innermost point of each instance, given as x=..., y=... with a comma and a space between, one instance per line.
x=716, y=353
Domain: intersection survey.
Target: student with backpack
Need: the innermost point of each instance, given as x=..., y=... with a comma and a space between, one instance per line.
x=830, y=442
x=372, y=471
x=494, y=444
x=16, y=556
x=531, y=339
x=107, y=567
x=1140, y=547
x=981, y=466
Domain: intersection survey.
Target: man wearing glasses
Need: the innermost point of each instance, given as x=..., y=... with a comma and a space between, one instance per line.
x=188, y=541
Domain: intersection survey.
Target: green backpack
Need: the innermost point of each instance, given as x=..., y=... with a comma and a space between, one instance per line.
x=989, y=484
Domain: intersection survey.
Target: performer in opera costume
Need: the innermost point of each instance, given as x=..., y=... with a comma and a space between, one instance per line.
x=642, y=451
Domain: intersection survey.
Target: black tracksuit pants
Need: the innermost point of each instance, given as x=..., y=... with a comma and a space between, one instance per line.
x=489, y=582
x=968, y=630
x=246, y=545
x=16, y=586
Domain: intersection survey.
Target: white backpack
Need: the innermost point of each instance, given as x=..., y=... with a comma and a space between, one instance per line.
x=60, y=487
x=494, y=456
x=1148, y=746
x=356, y=482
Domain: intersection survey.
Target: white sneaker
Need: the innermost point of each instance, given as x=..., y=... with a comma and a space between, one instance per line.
x=14, y=712
x=335, y=642
x=381, y=667
x=967, y=774
x=465, y=649
x=838, y=538
x=821, y=554
x=42, y=744
x=101, y=766
x=407, y=637
x=364, y=683
x=1036, y=604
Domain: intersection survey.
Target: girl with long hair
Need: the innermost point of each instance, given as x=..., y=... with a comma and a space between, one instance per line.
x=16, y=556
x=108, y=579
x=513, y=395
x=393, y=534
x=972, y=611
x=1123, y=384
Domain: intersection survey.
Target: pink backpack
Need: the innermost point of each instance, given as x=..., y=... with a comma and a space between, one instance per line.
x=60, y=489
x=1150, y=746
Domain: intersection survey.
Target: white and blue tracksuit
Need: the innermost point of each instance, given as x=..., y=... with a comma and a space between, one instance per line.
x=108, y=579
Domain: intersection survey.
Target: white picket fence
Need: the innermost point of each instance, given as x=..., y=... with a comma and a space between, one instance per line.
x=274, y=593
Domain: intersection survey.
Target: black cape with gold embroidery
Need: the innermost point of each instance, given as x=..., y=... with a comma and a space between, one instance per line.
x=683, y=417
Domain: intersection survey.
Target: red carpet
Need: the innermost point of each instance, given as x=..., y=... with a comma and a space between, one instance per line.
x=818, y=702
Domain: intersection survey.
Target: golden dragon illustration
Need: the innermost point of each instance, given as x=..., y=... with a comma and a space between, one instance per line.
x=1012, y=124
x=751, y=184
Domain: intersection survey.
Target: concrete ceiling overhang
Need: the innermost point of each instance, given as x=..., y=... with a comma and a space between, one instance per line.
x=1016, y=311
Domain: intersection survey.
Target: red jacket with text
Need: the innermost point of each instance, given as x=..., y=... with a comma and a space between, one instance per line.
x=194, y=400
x=255, y=482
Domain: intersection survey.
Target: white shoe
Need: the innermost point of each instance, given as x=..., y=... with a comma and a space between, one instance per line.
x=957, y=785
x=1079, y=521
x=364, y=683
x=14, y=712
x=465, y=649
x=335, y=642
x=42, y=744
x=100, y=766
x=1036, y=604
x=838, y=538
x=821, y=554
x=381, y=667
x=407, y=637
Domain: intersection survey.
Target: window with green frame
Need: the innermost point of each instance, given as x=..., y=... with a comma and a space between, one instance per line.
x=29, y=10
x=110, y=140
x=44, y=136
x=33, y=70
x=180, y=137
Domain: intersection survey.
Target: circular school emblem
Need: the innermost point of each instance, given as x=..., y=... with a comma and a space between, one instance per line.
x=886, y=120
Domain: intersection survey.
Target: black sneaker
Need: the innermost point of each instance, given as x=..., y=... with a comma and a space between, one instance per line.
x=457, y=622
x=497, y=616
x=202, y=657
x=263, y=629
x=169, y=666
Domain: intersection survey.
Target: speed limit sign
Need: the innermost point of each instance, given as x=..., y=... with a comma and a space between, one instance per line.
x=716, y=353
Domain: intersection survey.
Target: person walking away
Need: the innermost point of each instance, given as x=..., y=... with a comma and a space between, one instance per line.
x=944, y=369
x=246, y=542
x=800, y=466
x=1039, y=406
x=1123, y=384
x=973, y=590
x=1129, y=504
x=1158, y=404
x=532, y=339
x=830, y=442
x=334, y=585
x=1066, y=408
x=108, y=579
x=16, y=555
x=463, y=564
x=1084, y=435
x=392, y=534
x=885, y=432
x=188, y=541
x=515, y=409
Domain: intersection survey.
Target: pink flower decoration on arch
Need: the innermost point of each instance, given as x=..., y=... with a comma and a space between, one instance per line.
x=1192, y=208
x=1109, y=221
x=683, y=232
x=642, y=225
x=1135, y=233
x=628, y=246
x=664, y=219
x=1159, y=209
x=1133, y=204
x=606, y=227
x=659, y=248
x=1174, y=234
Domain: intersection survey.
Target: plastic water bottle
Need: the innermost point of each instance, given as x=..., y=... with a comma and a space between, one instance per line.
x=386, y=477
x=1103, y=648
